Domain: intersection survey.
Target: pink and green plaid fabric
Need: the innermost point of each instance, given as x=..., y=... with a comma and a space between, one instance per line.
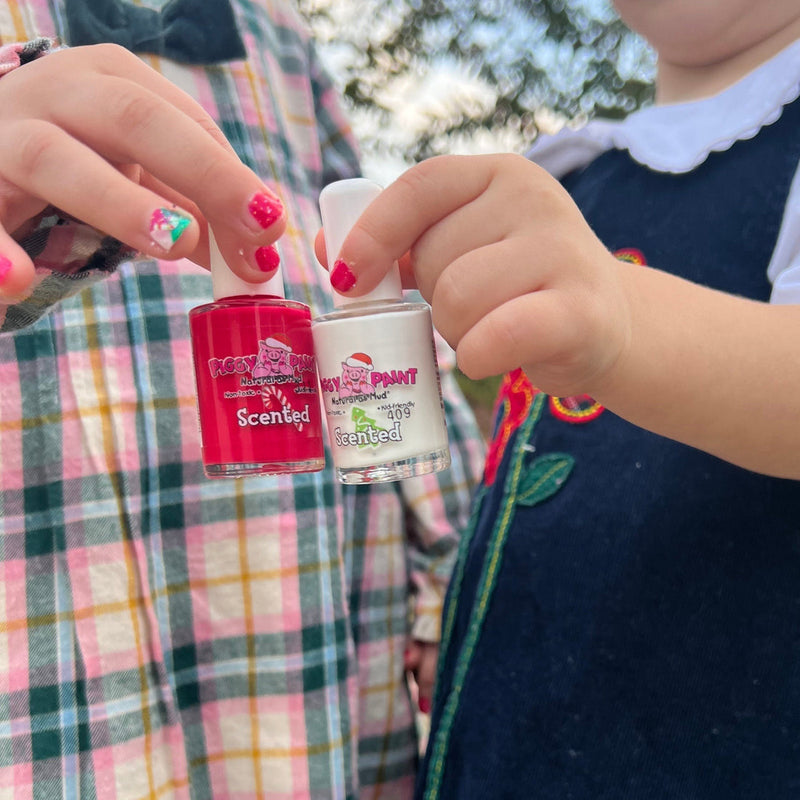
x=166, y=636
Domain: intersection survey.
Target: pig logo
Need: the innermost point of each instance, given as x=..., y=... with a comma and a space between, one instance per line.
x=355, y=378
x=273, y=357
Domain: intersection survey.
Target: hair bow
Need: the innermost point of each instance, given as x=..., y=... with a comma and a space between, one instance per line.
x=190, y=31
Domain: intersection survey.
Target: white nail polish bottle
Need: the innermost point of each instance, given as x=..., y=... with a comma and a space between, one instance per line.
x=377, y=366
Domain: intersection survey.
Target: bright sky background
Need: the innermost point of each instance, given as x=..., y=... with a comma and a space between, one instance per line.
x=446, y=88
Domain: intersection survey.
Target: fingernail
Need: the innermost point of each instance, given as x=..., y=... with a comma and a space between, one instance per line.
x=267, y=258
x=167, y=226
x=342, y=277
x=5, y=268
x=265, y=209
x=424, y=705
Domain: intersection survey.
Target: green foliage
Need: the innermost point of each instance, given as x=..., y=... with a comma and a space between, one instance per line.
x=481, y=395
x=482, y=392
x=574, y=59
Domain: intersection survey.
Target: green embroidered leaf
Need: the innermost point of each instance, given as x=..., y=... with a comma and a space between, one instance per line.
x=544, y=477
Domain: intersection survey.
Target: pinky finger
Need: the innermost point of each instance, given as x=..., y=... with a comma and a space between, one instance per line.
x=16, y=270
x=529, y=329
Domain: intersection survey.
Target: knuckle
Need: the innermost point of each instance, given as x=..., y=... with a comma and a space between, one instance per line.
x=371, y=228
x=33, y=146
x=525, y=185
x=448, y=313
x=106, y=195
x=448, y=294
x=521, y=195
x=505, y=335
x=528, y=184
x=108, y=56
x=421, y=178
x=212, y=173
x=444, y=326
x=414, y=179
x=368, y=237
x=212, y=129
x=511, y=164
x=133, y=110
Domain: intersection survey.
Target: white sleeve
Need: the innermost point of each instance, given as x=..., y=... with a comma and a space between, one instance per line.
x=569, y=149
x=784, y=268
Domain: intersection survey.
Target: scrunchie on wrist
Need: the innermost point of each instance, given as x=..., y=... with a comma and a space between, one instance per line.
x=19, y=53
x=68, y=255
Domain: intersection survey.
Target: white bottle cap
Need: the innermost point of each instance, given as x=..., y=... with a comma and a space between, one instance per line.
x=341, y=204
x=226, y=283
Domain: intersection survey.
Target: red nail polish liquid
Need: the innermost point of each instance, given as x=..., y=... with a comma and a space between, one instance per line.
x=256, y=379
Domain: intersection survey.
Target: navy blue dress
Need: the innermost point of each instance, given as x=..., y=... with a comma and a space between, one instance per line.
x=624, y=619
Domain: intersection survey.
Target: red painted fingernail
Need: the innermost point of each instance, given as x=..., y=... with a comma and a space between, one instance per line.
x=5, y=268
x=342, y=277
x=424, y=705
x=265, y=209
x=267, y=258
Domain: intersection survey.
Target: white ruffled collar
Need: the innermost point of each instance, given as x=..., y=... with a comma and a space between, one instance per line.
x=677, y=138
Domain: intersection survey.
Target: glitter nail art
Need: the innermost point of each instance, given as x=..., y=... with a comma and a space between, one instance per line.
x=166, y=227
x=265, y=210
x=267, y=258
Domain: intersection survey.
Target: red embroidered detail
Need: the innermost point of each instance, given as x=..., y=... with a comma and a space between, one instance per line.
x=631, y=255
x=516, y=394
x=578, y=409
x=514, y=400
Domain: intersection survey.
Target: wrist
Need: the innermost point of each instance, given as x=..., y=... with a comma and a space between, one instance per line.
x=614, y=362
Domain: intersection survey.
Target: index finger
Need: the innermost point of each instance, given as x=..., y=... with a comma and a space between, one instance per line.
x=113, y=59
x=396, y=219
x=136, y=124
x=145, y=119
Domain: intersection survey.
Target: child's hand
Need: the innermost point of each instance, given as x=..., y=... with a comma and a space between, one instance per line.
x=96, y=133
x=420, y=660
x=514, y=274
x=516, y=278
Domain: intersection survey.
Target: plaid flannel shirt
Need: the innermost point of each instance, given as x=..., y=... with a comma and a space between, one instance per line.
x=163, y=635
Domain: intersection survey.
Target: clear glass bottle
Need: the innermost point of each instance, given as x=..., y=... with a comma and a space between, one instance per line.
x=377, y=364
x=257, y=395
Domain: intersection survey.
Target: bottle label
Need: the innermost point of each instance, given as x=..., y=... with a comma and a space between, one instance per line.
x=380, y=386
x=261, y=375
x=257, y=386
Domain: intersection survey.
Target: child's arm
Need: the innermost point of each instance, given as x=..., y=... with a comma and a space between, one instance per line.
x=517, y=278
x=95, y=133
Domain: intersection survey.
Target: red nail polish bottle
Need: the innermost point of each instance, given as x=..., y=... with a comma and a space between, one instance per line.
x=257, y=388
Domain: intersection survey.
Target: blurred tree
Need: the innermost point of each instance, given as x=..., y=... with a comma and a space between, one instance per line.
x=510, y=66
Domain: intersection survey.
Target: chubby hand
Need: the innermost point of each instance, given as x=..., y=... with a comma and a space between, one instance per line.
x=514, y=274
x=98, y=134
x=420, y=660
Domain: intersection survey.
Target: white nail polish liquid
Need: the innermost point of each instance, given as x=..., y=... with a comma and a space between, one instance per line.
x=377, y=366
